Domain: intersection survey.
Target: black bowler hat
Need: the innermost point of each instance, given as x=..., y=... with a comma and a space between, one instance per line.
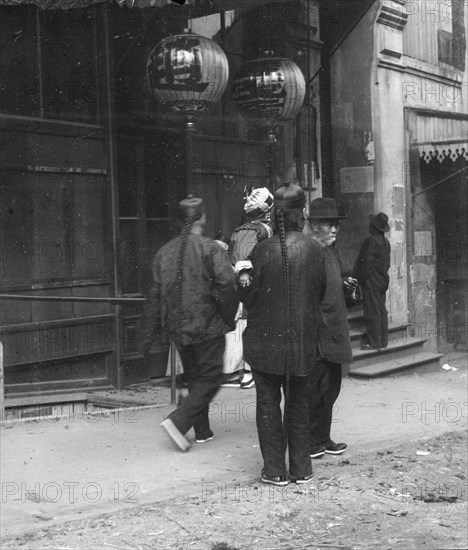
x=191, y=208
x=324, y=209
x=289, y=196
x=379, y=221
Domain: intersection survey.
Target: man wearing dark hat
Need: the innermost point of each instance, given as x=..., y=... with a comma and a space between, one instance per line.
x=193, y=302
x=280, y=340
x=371, y=270
x=335, y=345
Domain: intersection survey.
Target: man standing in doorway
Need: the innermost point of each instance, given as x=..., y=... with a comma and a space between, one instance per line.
x=335, y=346
x=371, y=270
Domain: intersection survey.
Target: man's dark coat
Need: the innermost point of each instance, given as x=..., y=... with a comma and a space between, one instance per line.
x=372, y=265
x=209, y=296
x=335, y=346
x=264, y=338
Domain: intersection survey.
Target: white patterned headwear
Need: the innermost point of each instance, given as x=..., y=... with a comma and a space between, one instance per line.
x=259, y=199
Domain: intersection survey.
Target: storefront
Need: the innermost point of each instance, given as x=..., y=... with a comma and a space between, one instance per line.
x=92, y=167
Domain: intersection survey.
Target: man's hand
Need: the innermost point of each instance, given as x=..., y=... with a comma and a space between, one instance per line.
x=350, y=283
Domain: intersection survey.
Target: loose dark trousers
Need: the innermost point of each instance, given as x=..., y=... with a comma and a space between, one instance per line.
x=203, y=369
x=324, y=388
x=375, y=317
x=270, y=428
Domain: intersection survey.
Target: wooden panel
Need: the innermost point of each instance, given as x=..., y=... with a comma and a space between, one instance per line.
x=46, y=341
x=49, y=311
x=90, y=223
x=71, y=374
x=14, y=311
x=19, y=85
x=65, y=152
x=13, y=148
x=50, y=237
x=420, y=33
x=69, y=63
x=129, y=256
x=16, y=206
x=85, y=309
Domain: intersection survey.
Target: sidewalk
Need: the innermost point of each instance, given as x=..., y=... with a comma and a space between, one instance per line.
x=52, y=471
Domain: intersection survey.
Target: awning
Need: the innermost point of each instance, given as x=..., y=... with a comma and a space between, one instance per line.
x=443, y=150
x=441, y=136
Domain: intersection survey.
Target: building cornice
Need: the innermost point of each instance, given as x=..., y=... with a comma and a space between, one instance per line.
x=431, y=72
x=392, y=14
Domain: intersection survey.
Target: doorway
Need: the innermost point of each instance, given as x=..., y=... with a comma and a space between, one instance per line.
x=446, y=182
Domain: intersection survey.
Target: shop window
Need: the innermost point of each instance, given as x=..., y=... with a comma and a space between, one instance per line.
x=452, y=41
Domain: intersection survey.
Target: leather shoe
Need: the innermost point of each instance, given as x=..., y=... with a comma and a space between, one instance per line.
x=335, y=448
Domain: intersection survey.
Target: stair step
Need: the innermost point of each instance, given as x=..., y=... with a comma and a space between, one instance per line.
x=396, y=349
x=399, y=365
x=395, y=332
x=355, y=318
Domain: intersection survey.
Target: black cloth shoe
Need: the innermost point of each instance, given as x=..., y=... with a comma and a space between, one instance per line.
x=303, y=479
x=335, y=448
x=279, y=481
x=204, y=438
x=233, y=382
x=317, y=452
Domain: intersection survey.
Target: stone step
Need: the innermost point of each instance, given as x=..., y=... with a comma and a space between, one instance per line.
x=395, y=332
x=355, y=318
x=396, y=349
x=420, y=361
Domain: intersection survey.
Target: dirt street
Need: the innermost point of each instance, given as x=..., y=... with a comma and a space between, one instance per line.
x=411, y=496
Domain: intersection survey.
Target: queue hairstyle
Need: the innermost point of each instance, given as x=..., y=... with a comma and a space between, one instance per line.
x=187, y=219
x=287, y=218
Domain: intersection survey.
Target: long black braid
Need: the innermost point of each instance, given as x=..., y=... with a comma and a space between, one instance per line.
x=287, y=301
x=180, y=274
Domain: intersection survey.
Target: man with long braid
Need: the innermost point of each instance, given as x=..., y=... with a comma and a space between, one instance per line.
x=193, y=302
x=280, y=341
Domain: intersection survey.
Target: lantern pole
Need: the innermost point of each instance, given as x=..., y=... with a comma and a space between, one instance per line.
x=189, y=132
x=271, y=145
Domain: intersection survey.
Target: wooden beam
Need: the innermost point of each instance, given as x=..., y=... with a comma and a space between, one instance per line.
x=104, y=299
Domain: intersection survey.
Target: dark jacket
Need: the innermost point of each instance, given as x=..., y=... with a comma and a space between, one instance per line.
x=244, y=239
x=372, y=265
x=335, y=345
x=264, y=338
x=209, y=296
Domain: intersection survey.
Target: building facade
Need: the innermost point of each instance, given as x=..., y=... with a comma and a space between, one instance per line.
x=92, y=168
x=399, y=133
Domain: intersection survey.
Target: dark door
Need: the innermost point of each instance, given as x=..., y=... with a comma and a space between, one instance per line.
x=147, y=182
x=451, y=210
x=223, y=167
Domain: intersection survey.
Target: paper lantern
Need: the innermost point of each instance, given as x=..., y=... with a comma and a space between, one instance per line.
x=187, y=72
x=269, y=90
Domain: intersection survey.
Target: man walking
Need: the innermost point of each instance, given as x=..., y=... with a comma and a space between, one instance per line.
x=335, y=347
x=193, y=302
